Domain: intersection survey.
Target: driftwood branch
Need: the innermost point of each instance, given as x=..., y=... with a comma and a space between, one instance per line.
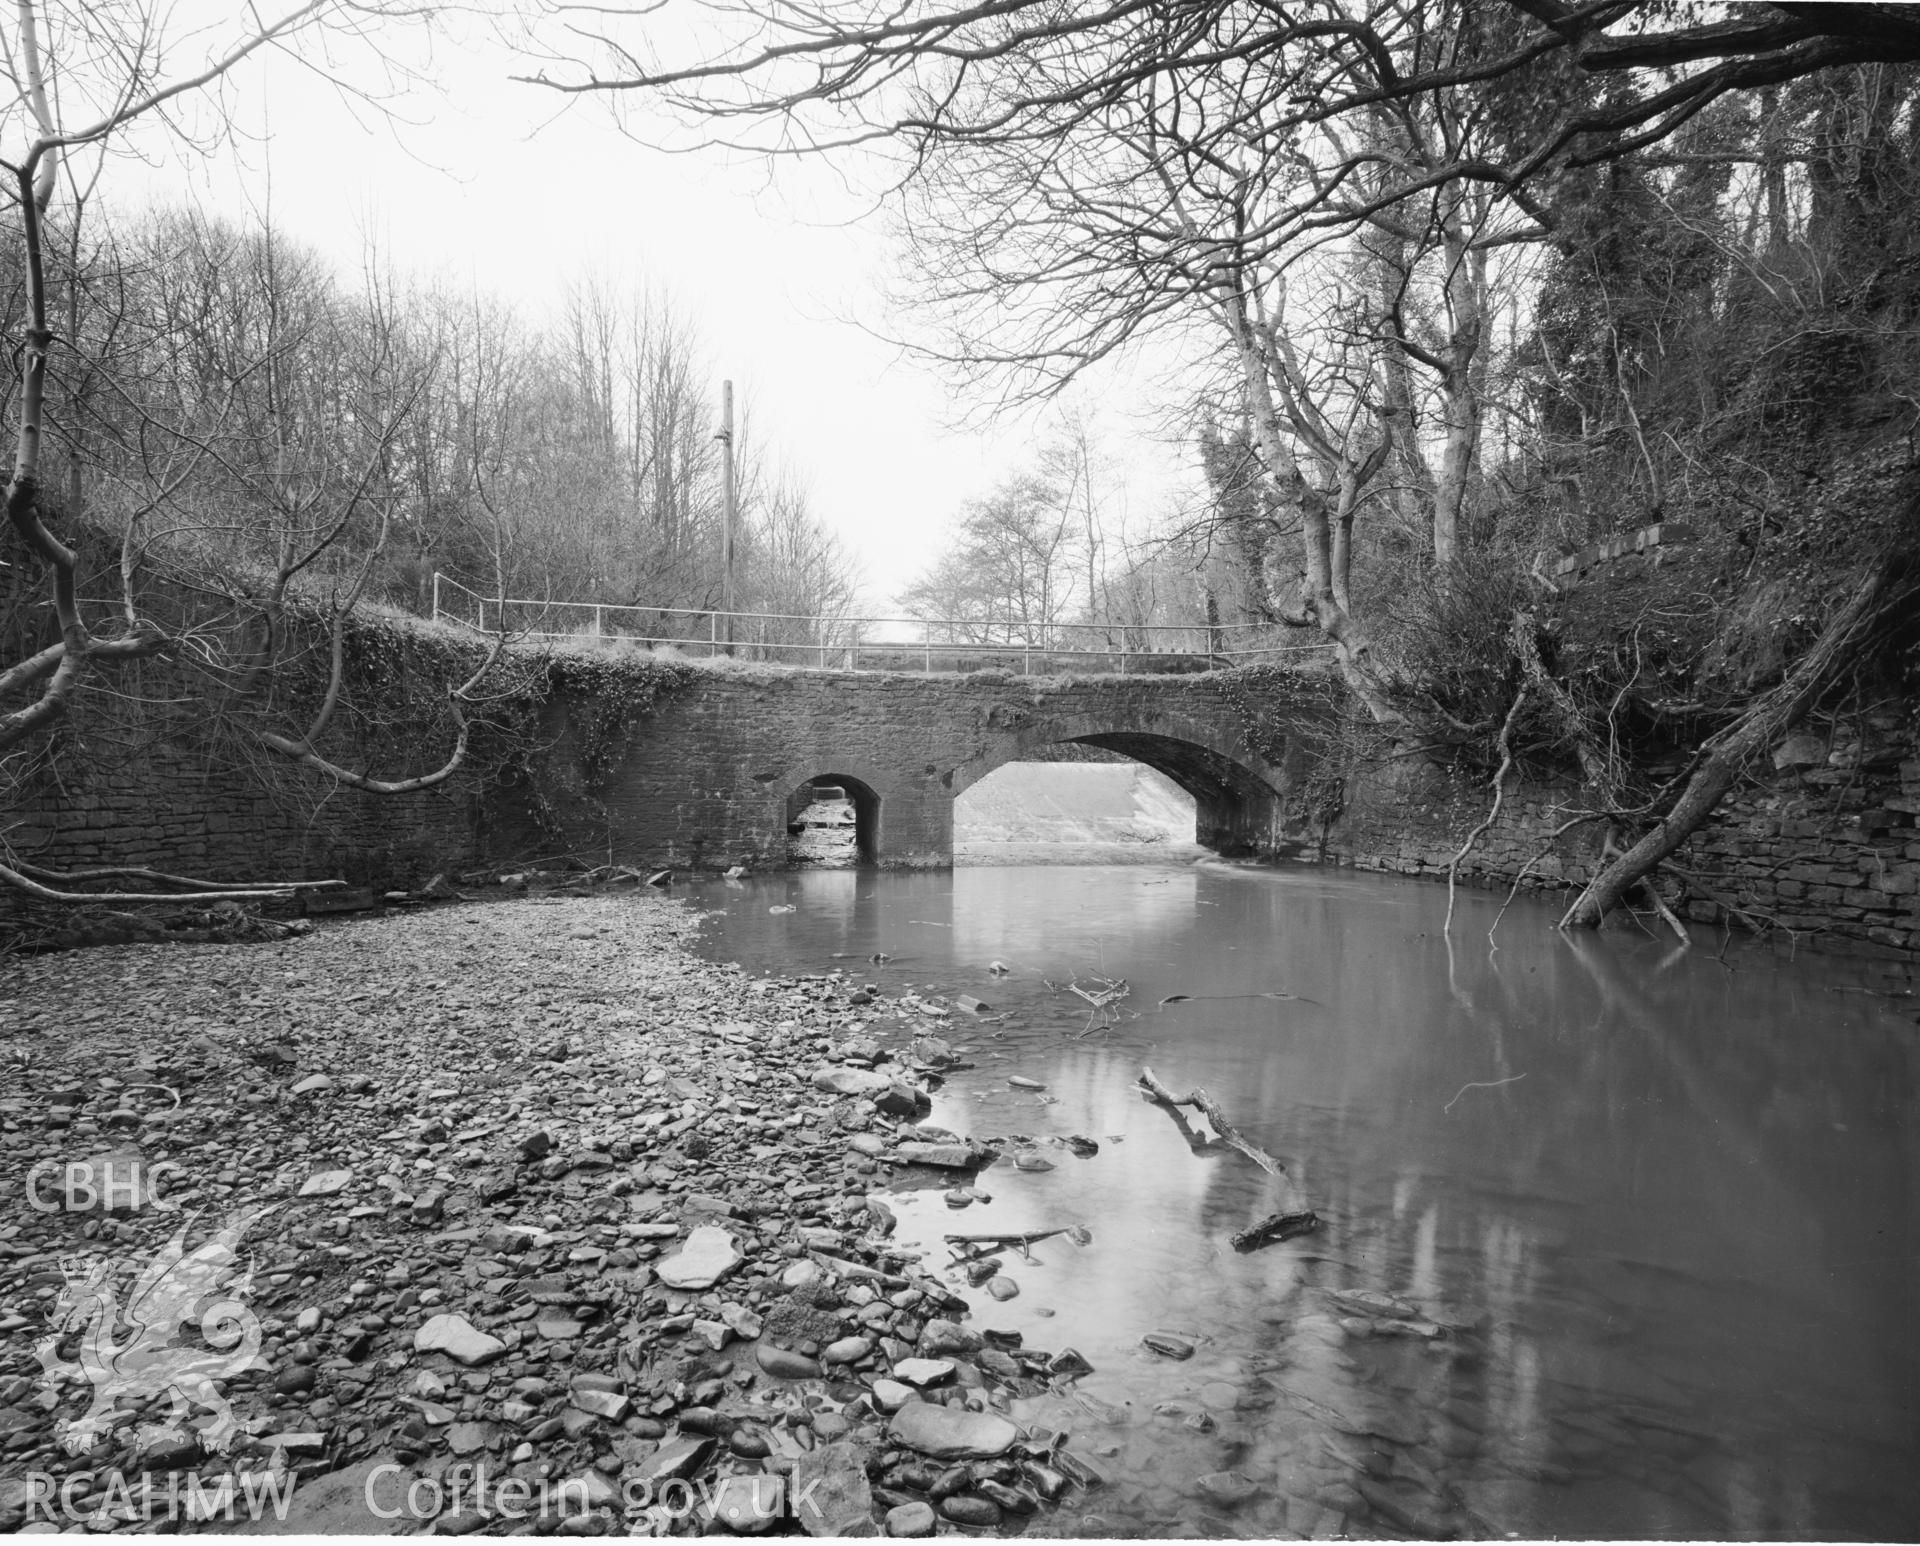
x=1294, y=1217
x=1028, y=1237
x=162, y=878
x=1204, y=1103
x=33, y=888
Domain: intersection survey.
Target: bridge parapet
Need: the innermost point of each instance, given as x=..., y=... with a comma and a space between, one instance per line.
x=910, y=644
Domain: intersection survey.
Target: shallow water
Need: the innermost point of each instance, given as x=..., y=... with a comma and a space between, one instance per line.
x=1662, y=1206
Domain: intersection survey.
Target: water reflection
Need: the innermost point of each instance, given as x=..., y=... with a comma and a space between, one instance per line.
x=1667, y=1202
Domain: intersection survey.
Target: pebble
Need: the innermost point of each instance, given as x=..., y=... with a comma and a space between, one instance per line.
x=966, y=1509
x=910, y=1521
x=325, y=1183
x=675, y=1460
x=601, y=1403
x=786, y=1365
x=891, y=1395
x=1228, y=1488
x=800, y=1274
x=296, y=1380
x=1069, y=1364
x=708, y=1255
x=1168, y=1345
x=458, y=1338
x=923, y=1371
x=942, y=1156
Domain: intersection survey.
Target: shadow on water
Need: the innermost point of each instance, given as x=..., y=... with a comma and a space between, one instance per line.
x=1649, y=1220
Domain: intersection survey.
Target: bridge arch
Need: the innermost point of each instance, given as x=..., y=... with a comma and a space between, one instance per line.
x=1240, y=796
x=867, y=791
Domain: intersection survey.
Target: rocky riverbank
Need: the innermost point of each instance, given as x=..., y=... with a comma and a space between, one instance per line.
x=517, y=1218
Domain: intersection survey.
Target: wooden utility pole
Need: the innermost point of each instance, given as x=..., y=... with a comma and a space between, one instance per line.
x=725, y=438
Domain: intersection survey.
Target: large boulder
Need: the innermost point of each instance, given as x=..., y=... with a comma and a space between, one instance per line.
x=951, y=1432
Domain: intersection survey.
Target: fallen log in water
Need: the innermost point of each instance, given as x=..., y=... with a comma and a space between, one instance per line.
x=1274, y=1228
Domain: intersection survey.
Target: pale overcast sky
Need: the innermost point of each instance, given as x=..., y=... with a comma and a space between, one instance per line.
x=502, y=185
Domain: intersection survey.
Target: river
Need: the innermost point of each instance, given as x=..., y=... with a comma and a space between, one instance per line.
x=1645, y=1220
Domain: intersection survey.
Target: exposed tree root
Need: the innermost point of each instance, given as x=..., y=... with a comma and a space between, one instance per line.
x=1538, y=854
x=1596, y=766
x=1667, y=914
x=1726, y=904
x=1499, y=795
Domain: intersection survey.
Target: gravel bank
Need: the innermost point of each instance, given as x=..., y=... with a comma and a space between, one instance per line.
x=546, y=1199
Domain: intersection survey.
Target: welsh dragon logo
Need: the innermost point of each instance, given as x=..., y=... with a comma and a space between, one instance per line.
x=147, y=1347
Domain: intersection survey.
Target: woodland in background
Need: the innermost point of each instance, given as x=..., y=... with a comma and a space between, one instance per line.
x=227, y=393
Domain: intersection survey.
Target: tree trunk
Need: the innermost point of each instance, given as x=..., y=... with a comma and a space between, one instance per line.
x=1459, y=398
x=1888, y=584
x=1319, y=603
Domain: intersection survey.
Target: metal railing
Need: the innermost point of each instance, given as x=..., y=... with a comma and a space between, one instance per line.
x=850, y=643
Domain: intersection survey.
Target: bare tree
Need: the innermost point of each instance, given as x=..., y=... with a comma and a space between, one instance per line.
x=1011, y=571
x=793, y=568
x=1568, y=85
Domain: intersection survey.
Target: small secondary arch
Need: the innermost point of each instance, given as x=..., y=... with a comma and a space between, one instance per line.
x=860, y=794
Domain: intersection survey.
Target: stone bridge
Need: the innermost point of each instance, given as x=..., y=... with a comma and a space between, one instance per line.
x=726, y=761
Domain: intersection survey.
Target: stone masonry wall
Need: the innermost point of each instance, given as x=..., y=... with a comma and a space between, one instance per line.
x=131, y=777
x=167, y=809
x=1826, y=843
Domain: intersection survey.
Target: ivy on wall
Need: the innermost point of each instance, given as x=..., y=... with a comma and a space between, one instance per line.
x=562, y=779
